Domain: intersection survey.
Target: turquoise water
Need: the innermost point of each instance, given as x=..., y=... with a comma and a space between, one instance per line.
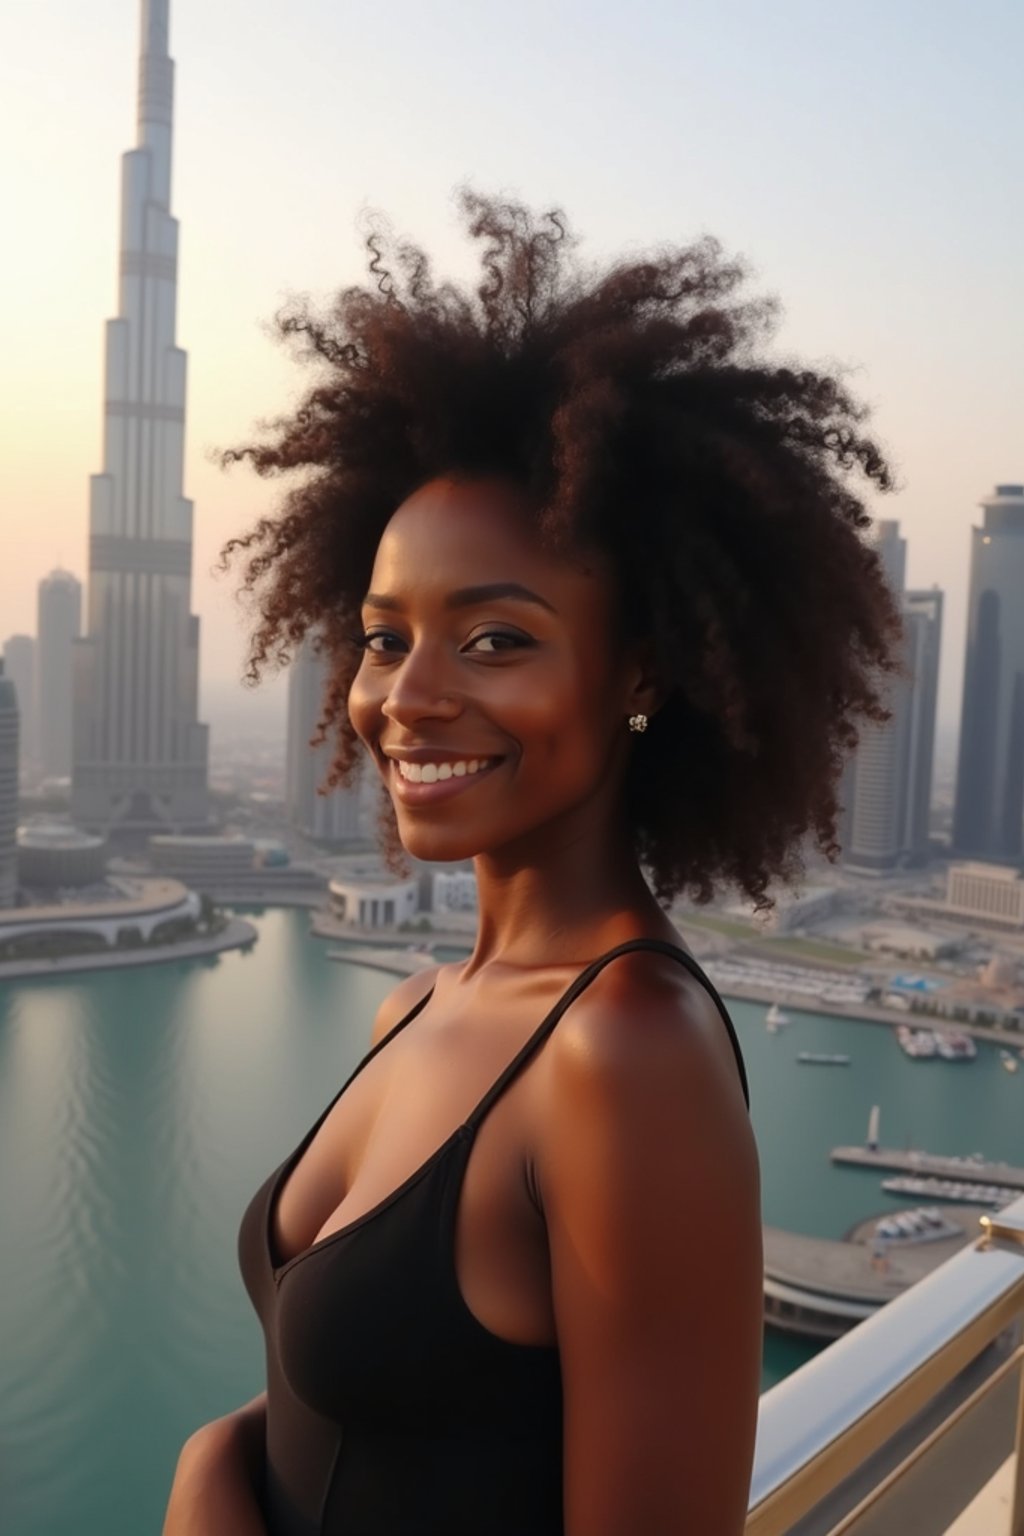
x=140, y=1110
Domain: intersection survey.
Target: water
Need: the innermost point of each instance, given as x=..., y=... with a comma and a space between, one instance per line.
x=140, y=1110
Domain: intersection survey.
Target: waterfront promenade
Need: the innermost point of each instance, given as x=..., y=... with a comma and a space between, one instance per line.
x=866, y=1013
x=706, y=948
x=236, y=934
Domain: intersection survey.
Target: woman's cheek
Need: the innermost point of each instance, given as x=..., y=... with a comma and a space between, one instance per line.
x=363, y=709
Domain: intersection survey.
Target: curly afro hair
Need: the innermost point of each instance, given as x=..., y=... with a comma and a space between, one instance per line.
x=633, y=406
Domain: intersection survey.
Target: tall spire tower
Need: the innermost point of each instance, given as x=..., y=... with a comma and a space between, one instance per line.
x=140, y=753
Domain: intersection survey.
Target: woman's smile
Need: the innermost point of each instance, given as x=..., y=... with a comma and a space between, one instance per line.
x=429, y=778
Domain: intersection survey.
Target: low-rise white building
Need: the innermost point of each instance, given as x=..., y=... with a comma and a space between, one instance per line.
x=907, y=939
x=367, y=902
x=455, y=891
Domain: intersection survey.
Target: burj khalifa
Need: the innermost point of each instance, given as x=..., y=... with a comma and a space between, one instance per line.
x=140, y=753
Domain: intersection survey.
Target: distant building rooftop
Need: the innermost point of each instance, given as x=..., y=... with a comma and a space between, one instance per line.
x=55, y=834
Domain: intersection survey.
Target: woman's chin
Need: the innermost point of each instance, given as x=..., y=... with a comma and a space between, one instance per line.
x=436, y=845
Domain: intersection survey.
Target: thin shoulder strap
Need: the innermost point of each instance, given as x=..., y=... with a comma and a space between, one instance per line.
x=406, y=1018
x=572, y=992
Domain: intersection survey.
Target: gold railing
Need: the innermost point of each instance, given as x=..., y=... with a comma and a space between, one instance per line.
x=820, y=1428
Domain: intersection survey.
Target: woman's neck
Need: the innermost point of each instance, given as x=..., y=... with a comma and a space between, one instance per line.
x=580, y=894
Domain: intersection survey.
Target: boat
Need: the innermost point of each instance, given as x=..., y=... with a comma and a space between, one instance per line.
x=1009, y=1061
x=823, y=1058
x=955, y=1045
x=919, y=1043
x=923, y=1224
x=774, y=1019
x=959, y=1191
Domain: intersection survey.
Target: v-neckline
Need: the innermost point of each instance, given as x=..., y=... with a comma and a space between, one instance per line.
x=280, y=1270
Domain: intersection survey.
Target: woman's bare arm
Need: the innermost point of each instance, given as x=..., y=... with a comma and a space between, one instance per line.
x=648, y=1176
x=217, y=1484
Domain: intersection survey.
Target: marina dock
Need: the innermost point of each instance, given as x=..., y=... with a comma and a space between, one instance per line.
x=973, y=1170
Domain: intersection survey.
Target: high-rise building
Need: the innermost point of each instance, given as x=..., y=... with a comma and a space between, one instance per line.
x=887, y=784
x=922, y=620
x=8, y=789
x=988, y=809
x=140, y=753
x=59, y=626
x=336, y=818
x=20, y=667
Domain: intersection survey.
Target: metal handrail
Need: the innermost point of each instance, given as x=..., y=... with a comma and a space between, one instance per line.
x=824, y=1421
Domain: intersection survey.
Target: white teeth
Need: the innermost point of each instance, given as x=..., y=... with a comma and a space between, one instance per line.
x=432, y=773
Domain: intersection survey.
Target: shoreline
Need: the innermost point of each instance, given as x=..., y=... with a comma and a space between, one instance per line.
x=396, y=961
x=868, y=1013
x=237, y=934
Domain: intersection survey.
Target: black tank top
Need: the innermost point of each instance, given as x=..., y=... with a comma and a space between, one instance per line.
x=391, y=1410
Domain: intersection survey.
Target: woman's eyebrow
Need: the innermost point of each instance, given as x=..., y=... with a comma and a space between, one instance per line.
x=468, y=597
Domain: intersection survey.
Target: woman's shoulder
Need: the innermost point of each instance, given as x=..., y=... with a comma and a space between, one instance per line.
x=646, y=1015
x=402, y=999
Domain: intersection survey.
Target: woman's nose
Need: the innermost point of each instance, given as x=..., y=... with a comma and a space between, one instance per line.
x=419, y=691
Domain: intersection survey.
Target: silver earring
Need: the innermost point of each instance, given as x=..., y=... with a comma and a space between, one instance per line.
x=638, y=722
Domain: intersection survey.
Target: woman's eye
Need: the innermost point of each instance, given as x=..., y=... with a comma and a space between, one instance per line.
x=379, y=641
x=497, y=640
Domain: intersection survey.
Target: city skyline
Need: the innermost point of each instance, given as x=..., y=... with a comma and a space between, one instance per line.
x=862, y=174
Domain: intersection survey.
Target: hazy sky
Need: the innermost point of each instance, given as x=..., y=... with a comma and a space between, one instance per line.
x=867, y=160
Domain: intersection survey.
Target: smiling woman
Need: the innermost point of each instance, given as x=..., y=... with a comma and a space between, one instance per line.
x=530, y=526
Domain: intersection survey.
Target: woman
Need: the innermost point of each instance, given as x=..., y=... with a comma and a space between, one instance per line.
x=600, y=616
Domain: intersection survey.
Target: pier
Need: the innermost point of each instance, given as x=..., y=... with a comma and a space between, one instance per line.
x=975, y=1171
x=821, y=1287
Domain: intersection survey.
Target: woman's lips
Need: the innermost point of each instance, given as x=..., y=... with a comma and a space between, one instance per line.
x=426, y=793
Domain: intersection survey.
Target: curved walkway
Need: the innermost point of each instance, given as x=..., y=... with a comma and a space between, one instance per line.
x=237, y=934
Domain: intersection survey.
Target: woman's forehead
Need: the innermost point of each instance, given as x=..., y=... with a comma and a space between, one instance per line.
x=454, y=534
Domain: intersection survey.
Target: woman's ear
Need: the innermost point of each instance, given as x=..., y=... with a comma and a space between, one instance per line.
x=645, y=693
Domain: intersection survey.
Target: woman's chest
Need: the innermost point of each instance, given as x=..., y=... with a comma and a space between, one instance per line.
x=399, y=1137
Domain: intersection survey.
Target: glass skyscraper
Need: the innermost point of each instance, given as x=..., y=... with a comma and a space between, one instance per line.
x=989, y=806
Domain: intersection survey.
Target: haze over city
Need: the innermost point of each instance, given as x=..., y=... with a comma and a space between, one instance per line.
x=869, y=172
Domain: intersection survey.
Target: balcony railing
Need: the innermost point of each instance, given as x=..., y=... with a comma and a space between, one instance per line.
x=845, y=1443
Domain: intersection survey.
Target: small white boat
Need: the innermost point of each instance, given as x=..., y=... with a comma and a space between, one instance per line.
x=1009, y=1061
x=919, y=1043
x=774, y=1019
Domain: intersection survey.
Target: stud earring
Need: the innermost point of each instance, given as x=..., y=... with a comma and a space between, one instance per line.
x=638, y=722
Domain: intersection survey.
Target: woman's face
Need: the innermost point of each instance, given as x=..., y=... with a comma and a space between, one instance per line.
x=491, y=693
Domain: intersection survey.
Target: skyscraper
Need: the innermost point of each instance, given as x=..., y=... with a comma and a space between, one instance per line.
x=922, y=618
x=140, y=753
x=58, y=626
x=334, y=818
x=8, y=789
x=887, y=785
x=20, y=667
x=989, y=808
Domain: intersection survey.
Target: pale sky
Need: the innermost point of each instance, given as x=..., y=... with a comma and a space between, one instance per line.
x=868, y=161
